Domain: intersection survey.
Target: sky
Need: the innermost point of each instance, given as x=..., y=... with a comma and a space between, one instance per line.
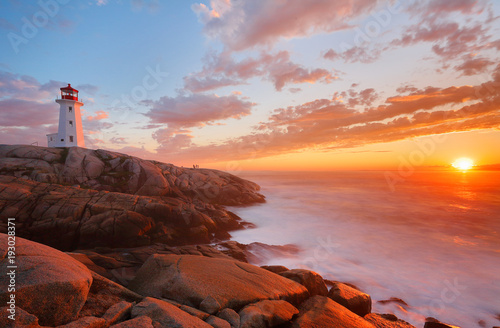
x=260, y=84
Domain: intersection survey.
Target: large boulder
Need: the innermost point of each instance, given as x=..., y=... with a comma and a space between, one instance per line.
x=310, y=279
x=217, y=322
x=275, y=268
x=49, y=284
x=81, y=165
x=117, y=312
x=22, y=318
x=386, y=321
x=320, y=311
x=86, y=322
x=24, y=151
x=230, y=316
x=104, y=295
x=84, y=259
x=191, y=279
x=353, y=299
x=166, y=315
x=435, y=323
x=139, y=322
x=210, y=305
x=147, y=178
x=267, y=313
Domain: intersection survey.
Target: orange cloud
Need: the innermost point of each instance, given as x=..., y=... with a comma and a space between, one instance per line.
x=99, y=115
x=328, y=123
x=443, y=7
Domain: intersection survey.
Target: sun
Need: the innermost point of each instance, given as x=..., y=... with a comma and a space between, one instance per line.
x=463, y=164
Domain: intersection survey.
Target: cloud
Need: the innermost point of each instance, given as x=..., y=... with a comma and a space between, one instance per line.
x=99, y=115
x=452, y=38
x=170, y=142
x=430, y=32
x=466, y=40
x=284, y=74
x=23, y=113
x=15, y=135
x=244, y=24
x=445, y=7
x=454, y=28
x=24, y=87
x=339, y=123
x=196, y=110
x=363, y=98
x=367, y=151
x=118, y=140
x=140, y=152
x=95, y=127
x=93, y=142
x=222, y=70
x=5, y=24
x=89, y=89
x=152, y=6
x=473, y=66
x=66, y=25
x=94, y=124
x=26, y=103
x=355, y=54
x=204, y=83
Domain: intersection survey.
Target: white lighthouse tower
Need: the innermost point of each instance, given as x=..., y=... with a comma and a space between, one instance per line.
x=70, y=132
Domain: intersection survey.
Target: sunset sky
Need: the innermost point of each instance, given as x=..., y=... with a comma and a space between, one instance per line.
x=260, y=84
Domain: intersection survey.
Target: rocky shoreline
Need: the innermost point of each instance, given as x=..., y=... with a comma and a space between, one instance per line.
x=92, y=198
x=180, y=286
x=109, y=240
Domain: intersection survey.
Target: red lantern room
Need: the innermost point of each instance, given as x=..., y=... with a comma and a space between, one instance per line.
x=69, y=93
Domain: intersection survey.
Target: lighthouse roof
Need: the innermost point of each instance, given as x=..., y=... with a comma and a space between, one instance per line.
x=68, y=88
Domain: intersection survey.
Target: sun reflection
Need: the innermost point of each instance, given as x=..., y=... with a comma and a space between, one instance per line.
x=463, y=164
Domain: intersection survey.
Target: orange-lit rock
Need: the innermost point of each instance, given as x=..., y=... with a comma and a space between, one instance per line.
x=353, y=299
x=386, y=321
x=267, y=313
x=165, y=314
x=310, y=279
x=320, y=311
x=434, y=323
x=111, y=171
x=104, y=294
x=49, y=284
x=68, y=218
x=191, y=279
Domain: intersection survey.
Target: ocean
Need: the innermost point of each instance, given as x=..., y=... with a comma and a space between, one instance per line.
x=430, y=239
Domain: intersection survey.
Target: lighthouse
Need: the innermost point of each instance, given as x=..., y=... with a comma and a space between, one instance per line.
x=70, y=132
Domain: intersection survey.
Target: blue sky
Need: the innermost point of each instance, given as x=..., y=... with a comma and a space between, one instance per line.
x=265, y=83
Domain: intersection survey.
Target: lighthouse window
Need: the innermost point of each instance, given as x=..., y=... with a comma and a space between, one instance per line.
x=70, y=109
x=70, y=138
x=70, y=123
x=62, y=139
